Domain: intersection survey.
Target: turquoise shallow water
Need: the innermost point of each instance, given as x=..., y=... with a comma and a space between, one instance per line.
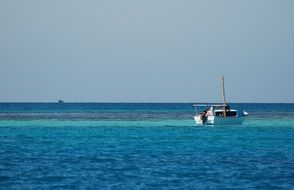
x=143, y=146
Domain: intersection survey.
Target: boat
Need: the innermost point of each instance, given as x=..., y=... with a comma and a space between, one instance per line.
x=214, y=114
x=218, y=114
x=60, y=101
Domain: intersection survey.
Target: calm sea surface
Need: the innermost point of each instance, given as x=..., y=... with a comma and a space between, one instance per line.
x=143, y=146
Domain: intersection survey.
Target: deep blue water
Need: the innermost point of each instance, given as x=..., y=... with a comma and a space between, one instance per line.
x=143, y=146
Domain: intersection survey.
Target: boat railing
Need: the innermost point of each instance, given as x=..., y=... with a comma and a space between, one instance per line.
x=196, y=106
x=215, y=106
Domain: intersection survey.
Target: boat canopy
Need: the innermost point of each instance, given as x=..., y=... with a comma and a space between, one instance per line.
x=209, y=105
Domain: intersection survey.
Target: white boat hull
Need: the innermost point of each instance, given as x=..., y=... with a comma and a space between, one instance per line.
x=214, y=120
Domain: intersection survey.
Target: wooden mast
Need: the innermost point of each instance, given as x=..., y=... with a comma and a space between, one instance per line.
x=224, y=97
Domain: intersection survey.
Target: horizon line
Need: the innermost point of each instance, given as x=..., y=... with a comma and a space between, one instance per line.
x=138, y=102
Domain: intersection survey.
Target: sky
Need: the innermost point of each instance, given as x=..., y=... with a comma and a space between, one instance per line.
x=146, y=50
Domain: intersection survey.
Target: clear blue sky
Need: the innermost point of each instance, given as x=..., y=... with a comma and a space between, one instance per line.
x=146, y=50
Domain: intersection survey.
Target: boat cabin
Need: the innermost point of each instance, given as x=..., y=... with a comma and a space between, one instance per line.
x=229, y=113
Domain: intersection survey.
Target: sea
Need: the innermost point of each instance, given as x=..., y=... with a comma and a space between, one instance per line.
x=143, y=146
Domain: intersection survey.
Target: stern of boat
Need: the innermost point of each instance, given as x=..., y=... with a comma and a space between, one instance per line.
x=198, y=120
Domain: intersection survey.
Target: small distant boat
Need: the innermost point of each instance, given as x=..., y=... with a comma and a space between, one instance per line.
x=60, y=101
x=218, y=114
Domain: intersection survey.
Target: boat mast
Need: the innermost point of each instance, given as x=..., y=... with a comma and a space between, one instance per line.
x=224, y=97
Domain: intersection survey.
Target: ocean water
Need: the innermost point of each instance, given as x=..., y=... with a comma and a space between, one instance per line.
x=143, y=146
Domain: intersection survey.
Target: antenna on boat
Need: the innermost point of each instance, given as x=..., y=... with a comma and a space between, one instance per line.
x=224, y=97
